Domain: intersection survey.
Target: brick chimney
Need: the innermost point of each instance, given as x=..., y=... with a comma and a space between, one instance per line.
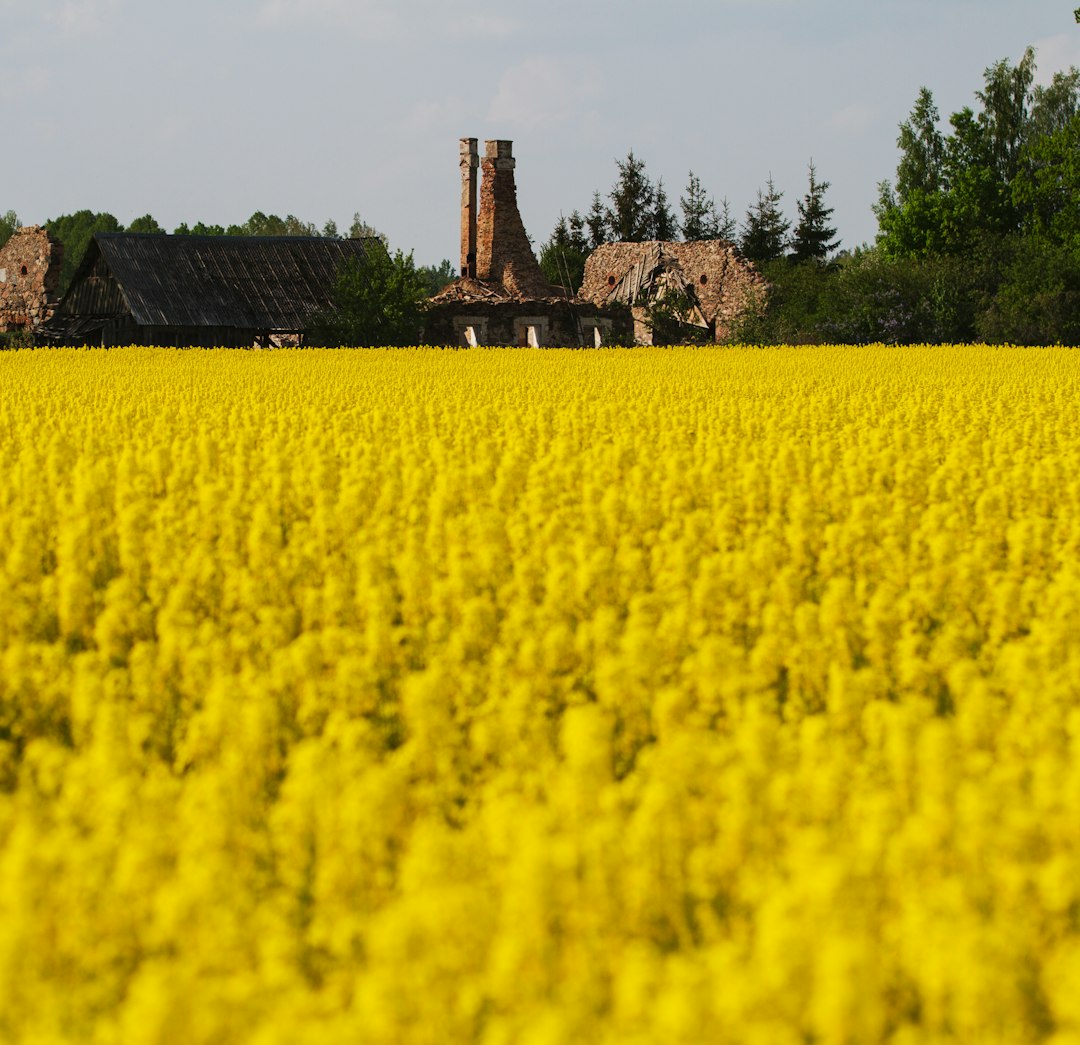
x=470, y=160
x=503, y=252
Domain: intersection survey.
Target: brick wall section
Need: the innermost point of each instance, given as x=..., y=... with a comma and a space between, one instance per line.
x=503, y=251
x=29, y=278
x=731, y=287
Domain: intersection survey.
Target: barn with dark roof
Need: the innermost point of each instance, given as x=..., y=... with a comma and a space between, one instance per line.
x=240, y=291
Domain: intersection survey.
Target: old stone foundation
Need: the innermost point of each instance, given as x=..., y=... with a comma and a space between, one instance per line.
x=525, y=324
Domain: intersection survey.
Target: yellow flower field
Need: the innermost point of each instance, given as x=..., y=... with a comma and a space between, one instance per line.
x=509, y=696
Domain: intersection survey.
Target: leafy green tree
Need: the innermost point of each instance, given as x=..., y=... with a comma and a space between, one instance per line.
x=922, y=150
x=954, y=191
x=1006, y=107
x=9, y=222
x=360, y=229
x=200, y=229
x=814, y=239
x=437, y=276
x=377, y=301
x=700, y=220
x=765, y=231
x=632, y=214
x=145, y=224
x=1046, y=192
x=1037, y=300
x=1054, y=105
x=74, y=231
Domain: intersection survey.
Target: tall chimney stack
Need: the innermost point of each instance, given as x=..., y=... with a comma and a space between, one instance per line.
x=470, y=162
x=504, y=254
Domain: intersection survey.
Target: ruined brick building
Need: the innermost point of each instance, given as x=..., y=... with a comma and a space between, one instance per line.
x=29, y=279
x=708, y=282
x=502, y=296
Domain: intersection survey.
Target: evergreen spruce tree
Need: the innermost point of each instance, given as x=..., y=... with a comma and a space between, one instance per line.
x=664, y=225
x=726, y=226
x=631, y=216
x=700, y=220
x=814, y=237
x=765, y=231
x=596, y=222
x=562, y=257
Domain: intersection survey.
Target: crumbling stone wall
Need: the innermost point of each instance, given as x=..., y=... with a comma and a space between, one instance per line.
x=726, y=284
x=29, y=278
x=503, y=253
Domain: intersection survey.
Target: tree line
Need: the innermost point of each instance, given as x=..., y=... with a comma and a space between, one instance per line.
x=636, y=209
x=74, y=231
x=978, y=232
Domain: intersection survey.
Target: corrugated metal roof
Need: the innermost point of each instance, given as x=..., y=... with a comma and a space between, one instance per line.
x=278, y=283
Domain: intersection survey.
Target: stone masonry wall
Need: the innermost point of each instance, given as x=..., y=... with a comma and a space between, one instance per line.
x=503, y=251
x=727, y=285
x=29, y=278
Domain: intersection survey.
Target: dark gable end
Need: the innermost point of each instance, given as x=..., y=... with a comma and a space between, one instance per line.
x=202, y=289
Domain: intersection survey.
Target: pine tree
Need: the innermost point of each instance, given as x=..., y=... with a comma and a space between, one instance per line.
x=700, y=220
x=765, y=232
x=664, y=226
x=596, y=222
x=814, y=238
x=562, y=257
x=631, y=217
x=726, y=226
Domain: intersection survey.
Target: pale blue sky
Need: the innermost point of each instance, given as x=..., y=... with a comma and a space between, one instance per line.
x=212, y=109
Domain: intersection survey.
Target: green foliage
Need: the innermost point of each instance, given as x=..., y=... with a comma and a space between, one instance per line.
x=146, y=223
x=9, y=222
x=562, y=257
x=1037, y=301
x=864, y=298
x=360, y=229
x=199, y=229
x=74, y=231
x=377, y=301
x=1047, y=189
x=952, y=191
x=793, y=311
x=16, y=339
x=922, y=162
x=670, y=323
x=437, y=276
